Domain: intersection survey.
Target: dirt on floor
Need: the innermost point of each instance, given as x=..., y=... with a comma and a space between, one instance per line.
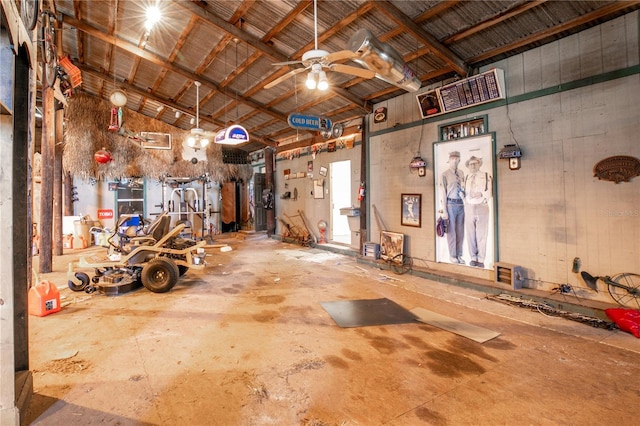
x=247, y=342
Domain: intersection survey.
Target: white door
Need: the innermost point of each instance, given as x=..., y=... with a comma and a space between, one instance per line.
x=340, y=192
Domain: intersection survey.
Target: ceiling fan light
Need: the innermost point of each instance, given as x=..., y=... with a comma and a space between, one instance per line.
x=204, y=142
x=191, y=142
x=323, y=83
x=311, y=81
x=118, y=98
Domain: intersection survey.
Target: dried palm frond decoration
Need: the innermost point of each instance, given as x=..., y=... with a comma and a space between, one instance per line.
x=86, y=131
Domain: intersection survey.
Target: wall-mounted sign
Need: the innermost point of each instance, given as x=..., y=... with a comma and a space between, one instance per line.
x=619, y=168
x=476, y=90
x=380, y=115
x=471, y=91
x=429, y=103
x=309, y=122
x=105, y=214
x=232, y=135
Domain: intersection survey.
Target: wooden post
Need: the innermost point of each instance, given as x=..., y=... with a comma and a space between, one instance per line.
x=46, y=187
x=363, y=178
x=57, y=183
x=269, y=184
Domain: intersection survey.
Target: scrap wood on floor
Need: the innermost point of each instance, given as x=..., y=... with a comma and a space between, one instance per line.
x=461, y=328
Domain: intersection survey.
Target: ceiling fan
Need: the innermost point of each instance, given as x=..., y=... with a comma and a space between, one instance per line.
x=198, y=138
x=317, y=60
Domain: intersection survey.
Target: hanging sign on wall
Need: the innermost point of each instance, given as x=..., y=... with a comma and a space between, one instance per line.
x=308, y=122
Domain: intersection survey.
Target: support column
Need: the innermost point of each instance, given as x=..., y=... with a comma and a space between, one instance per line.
x=270, y=184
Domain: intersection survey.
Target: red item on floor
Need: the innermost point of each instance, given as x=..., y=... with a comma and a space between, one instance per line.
x=626, y=319
x=44, y=299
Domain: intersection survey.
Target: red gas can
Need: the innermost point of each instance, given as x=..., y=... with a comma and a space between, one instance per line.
x=44, y=299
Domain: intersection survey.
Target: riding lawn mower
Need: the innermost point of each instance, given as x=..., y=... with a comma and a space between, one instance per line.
x=152, y=256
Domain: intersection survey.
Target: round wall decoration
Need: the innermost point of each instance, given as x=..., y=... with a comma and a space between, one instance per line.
x=102, y=156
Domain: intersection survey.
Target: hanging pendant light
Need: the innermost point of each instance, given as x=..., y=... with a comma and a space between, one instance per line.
x=118, y=98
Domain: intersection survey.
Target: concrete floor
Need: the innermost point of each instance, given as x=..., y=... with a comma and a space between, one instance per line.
x=246, y=342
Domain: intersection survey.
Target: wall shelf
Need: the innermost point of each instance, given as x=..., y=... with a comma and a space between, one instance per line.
x=463, y=129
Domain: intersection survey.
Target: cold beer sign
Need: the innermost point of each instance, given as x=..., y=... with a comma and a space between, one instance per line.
x=308, y=122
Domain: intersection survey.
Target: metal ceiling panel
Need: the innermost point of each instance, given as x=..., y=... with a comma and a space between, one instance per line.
x=195, y=41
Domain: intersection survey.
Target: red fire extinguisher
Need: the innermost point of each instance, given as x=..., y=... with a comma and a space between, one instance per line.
x=361, y=192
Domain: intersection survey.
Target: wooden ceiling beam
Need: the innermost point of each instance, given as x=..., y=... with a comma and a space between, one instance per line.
x=268, y=50
x=476, y=28
x=541, y=35
x=315, y=139
x=145, y=94
x=443, y=52
x=77, y=9
x=157, y=60
x=231, y=29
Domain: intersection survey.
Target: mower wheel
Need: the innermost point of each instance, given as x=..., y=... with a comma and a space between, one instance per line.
x=159, y=275
x=84, y=280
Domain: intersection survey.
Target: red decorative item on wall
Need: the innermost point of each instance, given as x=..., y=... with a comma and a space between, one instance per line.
x=103, y=156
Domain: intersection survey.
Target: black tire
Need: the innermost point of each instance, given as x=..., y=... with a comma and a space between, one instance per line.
x=628, y=296
x=48, y=49
x=84, y=281
x=160, y=275
x=182, y=269
x=29, y=13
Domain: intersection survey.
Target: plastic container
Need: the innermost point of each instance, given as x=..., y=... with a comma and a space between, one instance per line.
x=44, y=299
x=81, y=229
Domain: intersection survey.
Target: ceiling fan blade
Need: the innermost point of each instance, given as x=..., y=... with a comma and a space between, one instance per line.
x=339, y=56
x=358, y=72
x=287, y=63
x=284, y=77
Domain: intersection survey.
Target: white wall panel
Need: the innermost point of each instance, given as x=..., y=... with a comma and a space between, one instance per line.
x=591, y=53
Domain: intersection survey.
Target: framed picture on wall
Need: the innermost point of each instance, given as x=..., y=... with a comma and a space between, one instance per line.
x=391, y=244
x=152, y=140
x=464, y=188
x=411, y=210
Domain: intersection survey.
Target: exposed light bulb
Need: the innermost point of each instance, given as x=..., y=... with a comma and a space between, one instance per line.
x=153, y=16
x=178, y=114
x=323, y=83
x=193, y=120
x=311, y=81
x=160, y=108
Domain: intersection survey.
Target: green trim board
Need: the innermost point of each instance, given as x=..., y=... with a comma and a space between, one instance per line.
x=563, y=87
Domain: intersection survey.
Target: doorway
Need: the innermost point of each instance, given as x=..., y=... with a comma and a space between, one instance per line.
x=340, y=190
